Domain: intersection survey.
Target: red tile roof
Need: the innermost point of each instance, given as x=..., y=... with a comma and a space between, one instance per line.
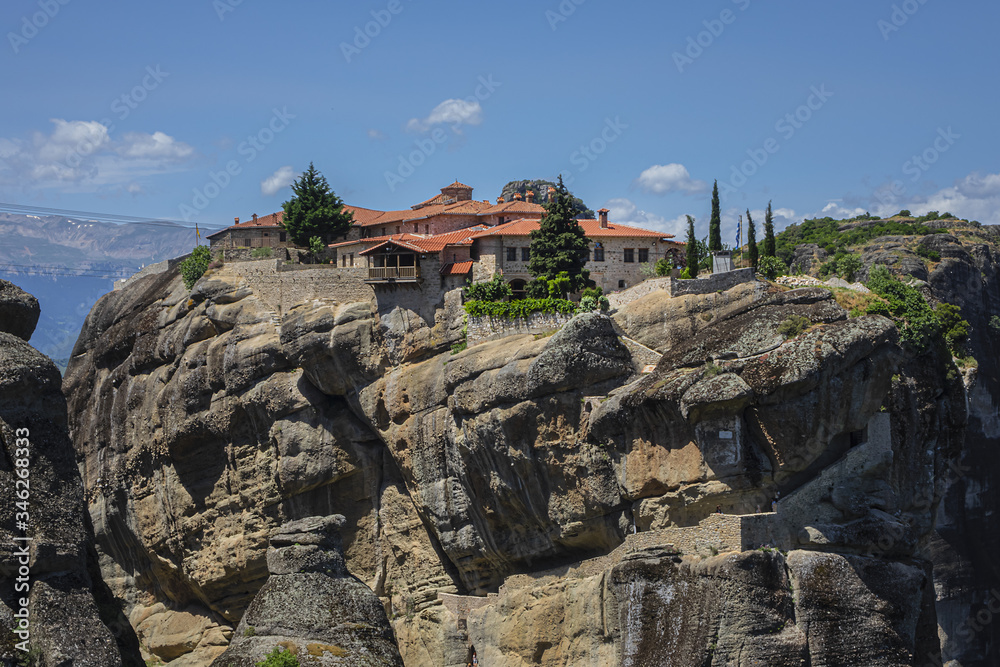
x=592, y=228
x=417, y=242
x=465, y=207
x=514, y=206
x=363, y=215
x=456, y=269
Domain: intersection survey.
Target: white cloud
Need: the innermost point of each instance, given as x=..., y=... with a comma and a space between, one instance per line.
x=663, y=178
x=375, y=135
x=625, y=212
x=454, y=112
x=279, y=179
x=81, y=154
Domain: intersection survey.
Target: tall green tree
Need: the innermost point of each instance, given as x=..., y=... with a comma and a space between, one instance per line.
x=752, y=252
x=314, y=210
x=560, y=245
x=715, y=224
x=768, y=232
x=692, y=258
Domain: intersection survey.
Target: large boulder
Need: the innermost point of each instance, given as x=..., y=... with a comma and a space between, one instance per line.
x=19, y=310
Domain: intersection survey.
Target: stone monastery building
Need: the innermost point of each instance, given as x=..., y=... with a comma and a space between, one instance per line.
x=467, y=238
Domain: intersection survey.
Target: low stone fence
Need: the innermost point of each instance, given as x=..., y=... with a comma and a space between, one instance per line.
x=283, y=286
x=152, y=269
x=719, y=533
x=482, y=329
x=714, y=282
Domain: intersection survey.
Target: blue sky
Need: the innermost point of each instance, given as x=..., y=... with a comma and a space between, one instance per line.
x=139, y=108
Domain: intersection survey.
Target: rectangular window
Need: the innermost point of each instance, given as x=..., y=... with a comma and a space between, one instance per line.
x=643, y=255
x=281, y=237
x=352, y=259
x=598, y=253
x=525, y=254
x=511, y=254
x=629, y=255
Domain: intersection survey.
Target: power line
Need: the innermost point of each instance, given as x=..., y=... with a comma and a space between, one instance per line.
x=102, y=217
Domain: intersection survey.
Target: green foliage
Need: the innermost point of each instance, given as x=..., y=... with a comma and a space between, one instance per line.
x=769, y=247
x=194, y=267
x=559, y=286
x=905, y=213
x=825, y=233
x=280, y=658
x=692, y=250
x=518, y=309
x=261, y=253
x=753, y=254
x=590, y=303
x=845, y=265
x=995, y=324
x=711, y=370
x=559, y=245
x=495, y=289
x=592, y=291
x=927, y=253
x=794, y=325
x=715, y=224
x=459, y=346
x=686, y=274
x=771, y=267
x=316, y=245
x=663, y=267
x=250, y=631
x=919, y=324
x=314, y=210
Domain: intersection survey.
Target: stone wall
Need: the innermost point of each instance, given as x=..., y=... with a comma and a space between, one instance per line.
x=619, y=299
x=712, y=283
x=159, y=267
x=719, y=533
x=482, y=329
x=283, y=286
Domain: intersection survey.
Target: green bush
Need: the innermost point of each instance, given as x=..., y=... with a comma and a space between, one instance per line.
x=194, y=267
x=686, y=274
x=954, y=329
x=519, y=309
x=261, y=253
x=825, y=232
x=794, y=325
x=663, y=267
x=905, y=213
x=495, y=289
x=587, y=304
x=280, y=658
x=772, y=267
x=927, y=253
x=848, y=266
x=995, y=324
x=595, y=292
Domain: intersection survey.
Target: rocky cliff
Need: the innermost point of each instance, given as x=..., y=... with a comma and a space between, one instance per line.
x=494, y=498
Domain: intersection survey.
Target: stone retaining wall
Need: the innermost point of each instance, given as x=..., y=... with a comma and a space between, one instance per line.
x=482, y=329
x=675, y=287
x=283, y=287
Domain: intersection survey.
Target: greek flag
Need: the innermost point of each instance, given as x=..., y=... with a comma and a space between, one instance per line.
x=739, y=232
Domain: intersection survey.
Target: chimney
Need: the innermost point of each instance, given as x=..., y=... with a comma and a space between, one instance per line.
x=552, y=193
x=603, y=213
x=255, y=218
x=517, y=196
x=529, y=196
x=499, y=200
x=237, y=221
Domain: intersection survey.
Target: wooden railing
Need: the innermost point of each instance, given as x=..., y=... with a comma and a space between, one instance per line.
x=393, y=272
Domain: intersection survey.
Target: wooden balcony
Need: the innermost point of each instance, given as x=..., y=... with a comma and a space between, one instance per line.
x=386, y=274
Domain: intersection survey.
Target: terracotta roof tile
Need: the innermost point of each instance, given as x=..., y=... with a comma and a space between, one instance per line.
x=456, y=269
x=514, y=206
x=592, y=228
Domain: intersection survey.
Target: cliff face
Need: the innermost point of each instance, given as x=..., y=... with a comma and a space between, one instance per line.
x=201, y=424
x=47, y=561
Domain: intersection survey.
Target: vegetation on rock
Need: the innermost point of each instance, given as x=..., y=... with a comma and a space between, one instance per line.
x=194, y=267
x=314, y=210
x=559, y=246
x=771, y=267
x=794, y=325
x=496, y=289
x=280, y=658
x=827, y=234
x=541, y=189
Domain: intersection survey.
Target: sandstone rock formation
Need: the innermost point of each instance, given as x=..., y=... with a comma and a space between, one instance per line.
x=202, y=423
x=71, y=620
x=311, y=606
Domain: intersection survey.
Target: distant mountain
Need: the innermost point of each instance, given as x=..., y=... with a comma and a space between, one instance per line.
x=541, y=189
x=69, y=263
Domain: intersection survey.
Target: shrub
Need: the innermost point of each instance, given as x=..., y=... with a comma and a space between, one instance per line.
x=261, y=253
x=663, y=267
x=595, y=292
x=905, y=213
x=495, y=289
x=587, y=304
x=686, y=274
x=927, y=253
x=771, y=267
x=194, y=267
x=519, y=309
x=995, y=324
x=848, y=266
x=794, y=325
x=280, y=658
x=954, y=329
x=919, y=324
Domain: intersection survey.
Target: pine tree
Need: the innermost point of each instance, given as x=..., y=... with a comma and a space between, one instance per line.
x=768, y=232
x=314, y=210
x=715, y=224
x=560, y=244
x=692, y=250
x=752, y=252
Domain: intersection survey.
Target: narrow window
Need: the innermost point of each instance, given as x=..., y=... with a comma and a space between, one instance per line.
x=511, y=254
x=643, y=255
x=281, y=237
x=621, y=284
x=629, y=255
x=525, y=254
x=352, y=259
x=598, y=253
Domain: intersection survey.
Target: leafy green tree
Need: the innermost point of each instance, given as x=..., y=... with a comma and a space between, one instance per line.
x=314, y=210
x=848, y=266
x=194, y=267
x=954, y=329
x=752, y=252
x=560, y=245
x=316, y=246
x=496, y=289
x=692, y=258
x=772, y=267
x=715, y=224
x=769, y=250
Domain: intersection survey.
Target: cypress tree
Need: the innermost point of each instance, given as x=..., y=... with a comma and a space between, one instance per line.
x=715, y=224
x=560, y=244
x=692, y=250
x=768, y=232
x=314, y=210
x=752, y=252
